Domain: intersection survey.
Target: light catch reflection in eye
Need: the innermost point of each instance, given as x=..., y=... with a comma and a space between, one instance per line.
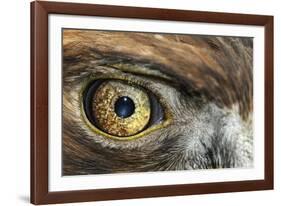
x=121, y=109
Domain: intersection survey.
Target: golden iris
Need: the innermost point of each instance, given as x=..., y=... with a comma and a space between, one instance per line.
x=120, y=109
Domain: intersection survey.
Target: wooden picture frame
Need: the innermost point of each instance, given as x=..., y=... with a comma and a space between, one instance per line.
x=40, y=193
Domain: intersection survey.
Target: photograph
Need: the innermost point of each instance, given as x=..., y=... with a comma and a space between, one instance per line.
x=149, y=102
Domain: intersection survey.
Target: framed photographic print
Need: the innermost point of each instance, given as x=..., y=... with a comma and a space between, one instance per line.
x=131, y=102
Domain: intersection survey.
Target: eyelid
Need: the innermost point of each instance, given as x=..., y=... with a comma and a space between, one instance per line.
x=167, y=114
x=140, y=69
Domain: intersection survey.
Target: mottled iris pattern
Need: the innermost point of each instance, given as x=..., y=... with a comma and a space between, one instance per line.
x=103, y=106
x=190, y=107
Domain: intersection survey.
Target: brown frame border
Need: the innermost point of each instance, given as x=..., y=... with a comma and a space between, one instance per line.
x=39, y=102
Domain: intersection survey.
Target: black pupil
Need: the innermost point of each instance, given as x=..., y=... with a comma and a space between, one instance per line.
x=124, y=107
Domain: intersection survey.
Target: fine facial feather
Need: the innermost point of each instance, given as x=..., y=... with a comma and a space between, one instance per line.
x=208, y=90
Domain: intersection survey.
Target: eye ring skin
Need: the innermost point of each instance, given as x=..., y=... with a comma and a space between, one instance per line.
x=167, y=114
